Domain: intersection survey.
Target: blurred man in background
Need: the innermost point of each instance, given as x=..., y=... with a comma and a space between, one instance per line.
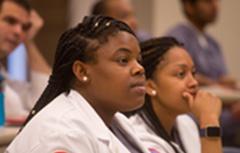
x=20, y=23
x=122, y=10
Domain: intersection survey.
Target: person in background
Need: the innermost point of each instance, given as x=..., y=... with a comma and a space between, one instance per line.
x=17, y=61
x=207, y=55
x=79, y=109
x=172, y=91
x=17, y=25
x=121, y=10
x=204, y=49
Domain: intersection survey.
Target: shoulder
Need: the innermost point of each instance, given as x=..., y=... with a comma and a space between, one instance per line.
x=182, y=32
x=189, y=134
x=69, y=141
x=58, y=126
x=152, y=141
x=178, y=29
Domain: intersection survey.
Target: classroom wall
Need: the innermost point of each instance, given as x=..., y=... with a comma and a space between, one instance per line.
x=78, y=9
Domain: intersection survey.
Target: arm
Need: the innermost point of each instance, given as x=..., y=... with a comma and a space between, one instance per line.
x=210, y=145
x=39, y=68
x=199, y=106
x=228, y=82
x=225, y=81
x=205, y=81
x=36, y=60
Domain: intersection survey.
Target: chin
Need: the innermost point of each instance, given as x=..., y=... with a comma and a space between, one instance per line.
x=134, y=107
x=8, y=50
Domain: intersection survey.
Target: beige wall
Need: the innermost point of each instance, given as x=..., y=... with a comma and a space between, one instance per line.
x=166, y=13
x=78, y=9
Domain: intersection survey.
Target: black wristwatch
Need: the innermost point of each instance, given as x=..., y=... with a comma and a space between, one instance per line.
x=210, y=131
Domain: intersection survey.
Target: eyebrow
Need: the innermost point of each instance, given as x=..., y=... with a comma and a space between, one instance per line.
x=124, y=50
x=182, y=65
x=185, y=66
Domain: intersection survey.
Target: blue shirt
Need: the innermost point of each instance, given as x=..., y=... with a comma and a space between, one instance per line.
x=204, y=50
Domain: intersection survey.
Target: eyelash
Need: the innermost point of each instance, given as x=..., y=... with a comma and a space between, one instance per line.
x=123, y=60
x=12, y=21
x=181, y=74
x=139, y=60
x=194, y=73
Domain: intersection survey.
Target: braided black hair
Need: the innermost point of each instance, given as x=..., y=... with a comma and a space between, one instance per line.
x=78, y=43
x=153, y=51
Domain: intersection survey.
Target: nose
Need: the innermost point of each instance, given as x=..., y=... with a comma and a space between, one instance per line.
x=18, y=31
x=193, y=83
x=137, y=69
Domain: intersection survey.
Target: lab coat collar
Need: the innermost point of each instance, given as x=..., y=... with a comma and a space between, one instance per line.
x=94, y=120
x=123, y=123
x=100, y=130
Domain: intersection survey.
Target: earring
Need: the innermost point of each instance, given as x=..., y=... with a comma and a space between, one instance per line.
x=154, y=92
x=85, y=78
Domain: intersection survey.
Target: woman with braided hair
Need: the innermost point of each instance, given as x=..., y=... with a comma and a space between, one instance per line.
x=96, y=74
x=172, y=91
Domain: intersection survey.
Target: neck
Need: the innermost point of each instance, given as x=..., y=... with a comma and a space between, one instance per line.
x=198, y=24
x=165, y=115
x=105, y=113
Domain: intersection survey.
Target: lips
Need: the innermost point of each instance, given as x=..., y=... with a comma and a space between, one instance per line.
x=193, y=93
x=139, y=87
x=12, y=42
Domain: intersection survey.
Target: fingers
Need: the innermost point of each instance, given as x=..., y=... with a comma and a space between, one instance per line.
x=206, y=105
x=189, y=99
x=36, y=22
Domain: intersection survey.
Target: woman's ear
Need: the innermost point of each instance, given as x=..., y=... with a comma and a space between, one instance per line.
x=80, y=71
x=151, y=88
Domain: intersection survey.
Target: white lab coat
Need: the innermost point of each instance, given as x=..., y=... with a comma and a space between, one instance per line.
x=21, y=96
x=187, y=130
x=70, y=124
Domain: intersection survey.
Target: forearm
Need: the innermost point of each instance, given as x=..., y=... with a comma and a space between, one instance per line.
x=210, y=144
x=203, y=80
x=36, y=60
x=207, y=109
x=228, y=81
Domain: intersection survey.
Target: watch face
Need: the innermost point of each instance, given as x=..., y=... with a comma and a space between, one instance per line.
x=213, y=132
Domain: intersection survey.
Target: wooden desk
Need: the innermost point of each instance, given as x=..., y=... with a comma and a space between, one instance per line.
x=6, y=136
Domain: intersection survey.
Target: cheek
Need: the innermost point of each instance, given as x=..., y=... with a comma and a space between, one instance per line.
x=111, y=80
x=170, y=92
